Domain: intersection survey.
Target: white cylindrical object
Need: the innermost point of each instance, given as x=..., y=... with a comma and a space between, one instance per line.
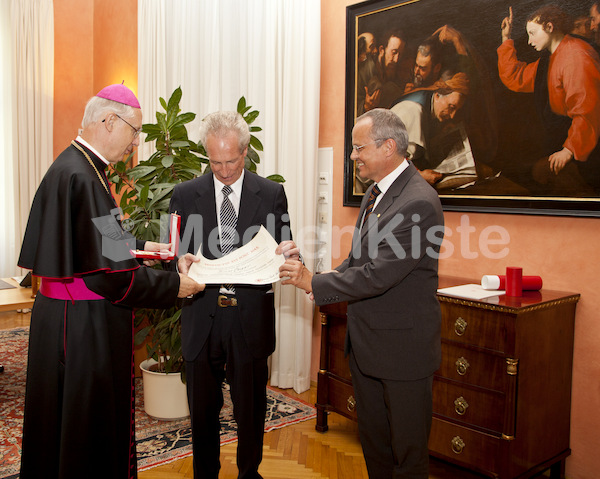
x=490, y=281
x=165, y=396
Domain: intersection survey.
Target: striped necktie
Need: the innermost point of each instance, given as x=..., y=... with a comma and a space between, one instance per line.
x=371, y=203
x=228, y=224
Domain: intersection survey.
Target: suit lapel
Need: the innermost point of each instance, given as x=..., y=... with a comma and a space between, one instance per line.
x=356, y=235
x=390, y=196
x=206, y=206
x=249, y=203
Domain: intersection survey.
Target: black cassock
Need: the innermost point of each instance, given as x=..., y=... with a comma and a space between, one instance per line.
x=79, y=416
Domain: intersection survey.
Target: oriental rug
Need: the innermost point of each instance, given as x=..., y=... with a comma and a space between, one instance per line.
x=158, y=442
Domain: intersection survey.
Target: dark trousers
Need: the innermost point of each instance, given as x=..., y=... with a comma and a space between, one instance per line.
x=394, y=420
x=226, y=355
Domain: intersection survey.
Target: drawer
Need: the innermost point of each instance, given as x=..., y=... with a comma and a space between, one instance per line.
x=341, y=397
x=470, y=406
x=473, y=367
x=465, y=447
x=478, y=327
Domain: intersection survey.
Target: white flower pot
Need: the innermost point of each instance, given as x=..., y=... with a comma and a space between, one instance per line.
x=165, y=395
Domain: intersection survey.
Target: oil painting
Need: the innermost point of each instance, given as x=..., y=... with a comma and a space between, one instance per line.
x=500, y=99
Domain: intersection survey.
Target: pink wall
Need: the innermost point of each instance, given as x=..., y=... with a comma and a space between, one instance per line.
x=95, y=44
x=73, y=67
x=561, y=250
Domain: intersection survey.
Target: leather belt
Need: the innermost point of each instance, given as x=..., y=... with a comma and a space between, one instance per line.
x=223, y=301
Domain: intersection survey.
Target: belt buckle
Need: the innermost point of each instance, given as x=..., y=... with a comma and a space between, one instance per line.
x=223, y=301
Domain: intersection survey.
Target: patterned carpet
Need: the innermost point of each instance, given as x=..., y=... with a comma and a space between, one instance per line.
x=158, y=442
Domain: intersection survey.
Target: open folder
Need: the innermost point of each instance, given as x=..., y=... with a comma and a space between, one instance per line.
x=174, y=226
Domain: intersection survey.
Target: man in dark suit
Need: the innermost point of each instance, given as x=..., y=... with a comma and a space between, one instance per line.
x=228, y=331
x=389, y=281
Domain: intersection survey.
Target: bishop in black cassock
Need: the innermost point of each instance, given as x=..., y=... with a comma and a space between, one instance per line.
x=79, y=403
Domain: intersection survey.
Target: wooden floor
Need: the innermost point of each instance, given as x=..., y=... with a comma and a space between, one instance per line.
x=294, y=452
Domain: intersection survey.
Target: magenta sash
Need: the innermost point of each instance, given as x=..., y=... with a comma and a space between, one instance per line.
x=69, y=289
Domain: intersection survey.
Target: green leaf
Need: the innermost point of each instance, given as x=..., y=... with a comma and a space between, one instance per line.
x=144, y=193
x=155, y=230
x=162, y=122
x=241, y=104
x=253, y=155
x=175, y=98
x=256, y=144
x=142, y=334
x=250, y=117
x=250, y=165
x=141, y=170
x=159, y=196
x=167, y=161
x=180, y=144
x=163, y=205
x=184, y=118
x=276, y=178
x=164, y=185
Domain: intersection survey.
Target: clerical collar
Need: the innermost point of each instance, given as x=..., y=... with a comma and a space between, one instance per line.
x=236, y=187
x=93, y=150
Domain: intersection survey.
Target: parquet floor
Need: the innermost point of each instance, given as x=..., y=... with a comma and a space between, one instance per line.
x=294, y=452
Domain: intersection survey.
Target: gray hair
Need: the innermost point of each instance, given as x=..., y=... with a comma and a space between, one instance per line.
x=385, y=124
x=97, y=108
x=220, y=123
x=430, y=48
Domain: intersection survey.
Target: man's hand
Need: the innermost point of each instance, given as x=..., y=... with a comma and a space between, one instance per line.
x=447, y=34
x=372, y=100
x=289, y=250
x=559, y=160
x=163, y=248
x=294, y=272
x=506, y=27
x=185, y=262
x=188, y=287
x=431, y=176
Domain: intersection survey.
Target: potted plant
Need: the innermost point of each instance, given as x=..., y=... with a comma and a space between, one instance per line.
x=145, y=191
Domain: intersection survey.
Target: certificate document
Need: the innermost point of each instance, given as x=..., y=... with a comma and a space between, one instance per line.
x=253, y=263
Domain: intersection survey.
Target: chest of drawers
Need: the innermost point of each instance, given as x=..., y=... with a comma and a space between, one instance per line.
x=502, y=395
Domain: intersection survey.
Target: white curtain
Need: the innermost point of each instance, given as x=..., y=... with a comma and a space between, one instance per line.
x=269, y=52
x=27, y=92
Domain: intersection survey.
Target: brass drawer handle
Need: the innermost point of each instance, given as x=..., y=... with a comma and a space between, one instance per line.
x=457, y=445
x=460, y=406
x=461, y=366
x=351, y=403
x=460, y=326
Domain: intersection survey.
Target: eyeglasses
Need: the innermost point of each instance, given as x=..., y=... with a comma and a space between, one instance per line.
x=136, y=131
x=359, y=148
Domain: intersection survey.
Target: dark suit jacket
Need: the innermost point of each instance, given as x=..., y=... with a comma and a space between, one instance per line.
x=394, y=317
x=263, y=202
